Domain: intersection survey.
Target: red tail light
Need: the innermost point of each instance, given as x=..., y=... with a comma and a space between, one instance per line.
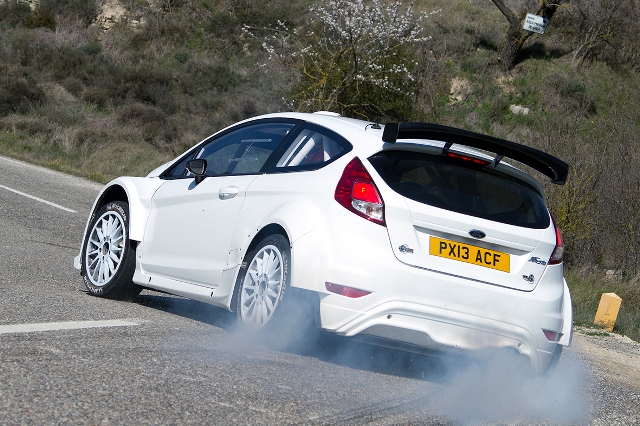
x=558, y=252
x=467, y=158
x=343, y=290
x=366, y=192
x=358, y=194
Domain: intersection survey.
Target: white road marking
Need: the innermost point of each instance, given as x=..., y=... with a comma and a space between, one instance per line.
x=38, y=199
x=70, y=325
x=76, y=181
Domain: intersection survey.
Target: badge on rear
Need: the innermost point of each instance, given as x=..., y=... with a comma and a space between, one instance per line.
x=476, y=233
x=405, y=249
x=538, y=261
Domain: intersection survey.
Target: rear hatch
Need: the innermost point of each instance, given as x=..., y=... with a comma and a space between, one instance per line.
x=456, y=214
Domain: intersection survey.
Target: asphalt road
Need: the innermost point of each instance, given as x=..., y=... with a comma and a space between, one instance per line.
x=168, y=360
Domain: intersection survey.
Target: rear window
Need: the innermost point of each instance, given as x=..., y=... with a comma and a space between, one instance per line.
x=310, y=148
x=463, y=188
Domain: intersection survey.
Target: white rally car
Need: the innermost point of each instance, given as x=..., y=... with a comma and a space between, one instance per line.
x=408, y=233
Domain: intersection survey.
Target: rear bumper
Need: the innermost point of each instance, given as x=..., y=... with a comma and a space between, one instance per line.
x=435, y=329
x=429, y=309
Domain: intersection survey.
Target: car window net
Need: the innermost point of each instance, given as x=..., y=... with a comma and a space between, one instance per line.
x=243, y=151
x=462, y=188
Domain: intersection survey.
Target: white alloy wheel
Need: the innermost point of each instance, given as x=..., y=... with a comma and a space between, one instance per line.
x=105, y=248
x=262, y=287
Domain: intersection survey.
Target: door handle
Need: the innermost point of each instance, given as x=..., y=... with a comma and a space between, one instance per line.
x=228, y=192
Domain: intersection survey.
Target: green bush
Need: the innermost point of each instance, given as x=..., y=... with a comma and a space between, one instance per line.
x=29, y=125
x=201, y=76
x=141, y=113
x=182, y=57
x=223, y=25
x=44, y=15
x=576, y=95
x=65, y=61
x=91, y=49
x=98, y=95
x=13, y=13
x=243, y=109
x=265, y=13
x=19, y=94
x=167, y=28
x=157, y=128
x=111, y=84
x=40, y=19
x=149, y=84
x=85, y=11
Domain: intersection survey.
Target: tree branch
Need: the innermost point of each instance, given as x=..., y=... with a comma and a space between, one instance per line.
x=511, y=16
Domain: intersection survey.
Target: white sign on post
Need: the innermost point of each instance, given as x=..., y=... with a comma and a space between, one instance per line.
x=535, y=23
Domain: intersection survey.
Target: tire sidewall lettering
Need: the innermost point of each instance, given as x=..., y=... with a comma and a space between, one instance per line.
x=120, y=210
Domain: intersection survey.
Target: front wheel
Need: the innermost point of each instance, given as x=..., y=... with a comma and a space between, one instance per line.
x=108, y=257
x=262, y=281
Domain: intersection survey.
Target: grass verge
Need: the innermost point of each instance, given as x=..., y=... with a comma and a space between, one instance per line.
x=587, y=288
x=71, y=151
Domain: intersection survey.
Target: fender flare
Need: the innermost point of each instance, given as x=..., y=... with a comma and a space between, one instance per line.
x=139, y=191
x=567, y=317
x=298, y=218
x=303, y=225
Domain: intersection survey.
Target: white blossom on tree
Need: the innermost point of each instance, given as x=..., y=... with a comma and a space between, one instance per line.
x=352, y=53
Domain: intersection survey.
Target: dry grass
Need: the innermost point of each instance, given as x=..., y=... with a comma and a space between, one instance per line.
x=588, y=285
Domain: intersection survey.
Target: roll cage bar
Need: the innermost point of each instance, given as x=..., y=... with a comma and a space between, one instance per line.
x=546, y=164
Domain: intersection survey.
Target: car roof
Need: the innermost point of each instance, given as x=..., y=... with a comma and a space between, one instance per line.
x=330, y=120
x=367, y=139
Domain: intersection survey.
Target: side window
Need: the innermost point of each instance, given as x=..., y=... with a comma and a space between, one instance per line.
x=311, y=149
x=243, y=151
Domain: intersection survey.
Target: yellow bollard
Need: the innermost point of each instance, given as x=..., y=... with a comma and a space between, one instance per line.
x=608, y=310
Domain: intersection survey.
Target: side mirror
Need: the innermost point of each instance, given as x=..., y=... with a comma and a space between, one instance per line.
x=198, y=167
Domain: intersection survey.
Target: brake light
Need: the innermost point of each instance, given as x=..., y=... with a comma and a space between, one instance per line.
x=357, y=192
x=558, y=252
x=365, y=192
x=467, y=158
x=343, y=290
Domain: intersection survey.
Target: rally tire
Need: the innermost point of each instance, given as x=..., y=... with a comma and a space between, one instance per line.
x=262, y=284
x=553, y=364
x=108, y=256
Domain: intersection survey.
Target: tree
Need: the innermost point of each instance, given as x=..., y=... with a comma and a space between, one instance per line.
x=353, y=57
x=516, y=36
x=598, y=21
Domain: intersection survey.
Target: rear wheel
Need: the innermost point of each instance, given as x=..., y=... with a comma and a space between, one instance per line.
x=108, y=256
x=262, y=282
x=555, y=359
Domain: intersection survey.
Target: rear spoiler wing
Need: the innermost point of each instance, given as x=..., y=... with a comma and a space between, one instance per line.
x=546, y=164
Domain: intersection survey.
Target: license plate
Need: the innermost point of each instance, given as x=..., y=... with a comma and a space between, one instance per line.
x=469, y=254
